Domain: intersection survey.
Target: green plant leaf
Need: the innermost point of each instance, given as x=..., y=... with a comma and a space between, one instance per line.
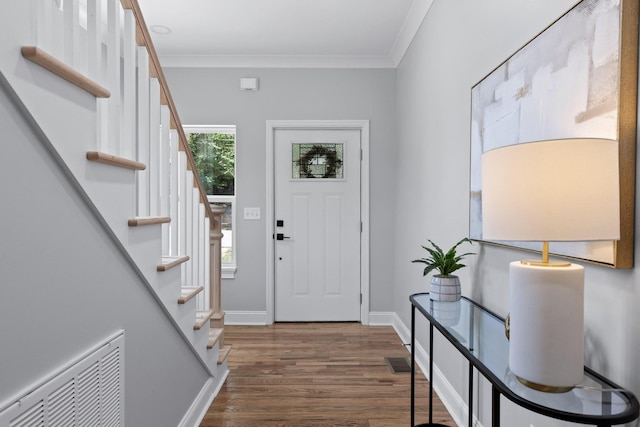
x=445, y=263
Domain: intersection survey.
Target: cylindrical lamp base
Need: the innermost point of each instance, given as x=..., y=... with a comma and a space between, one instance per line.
x=547, y=325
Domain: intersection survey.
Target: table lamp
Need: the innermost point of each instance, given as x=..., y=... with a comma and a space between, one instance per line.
x=554, y=190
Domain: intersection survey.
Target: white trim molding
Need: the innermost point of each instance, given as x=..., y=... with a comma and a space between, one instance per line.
x=411, y=25
x=199, y=407
x=276, y=61
x=363, y=127
x=380, y=318
x=248, y=318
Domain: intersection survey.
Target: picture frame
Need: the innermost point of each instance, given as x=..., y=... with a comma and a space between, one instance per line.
x=577, y=78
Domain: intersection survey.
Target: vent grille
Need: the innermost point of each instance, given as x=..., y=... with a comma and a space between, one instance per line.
x=61, y=408
x=89, y=392
x=398, y=365
x=32, y=417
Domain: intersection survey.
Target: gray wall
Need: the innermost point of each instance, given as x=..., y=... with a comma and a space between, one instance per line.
x=213, y=96
x=419, y=173
x=66, y=287
x=458, y=44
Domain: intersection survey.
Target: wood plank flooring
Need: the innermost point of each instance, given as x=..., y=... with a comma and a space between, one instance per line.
x=317, y=375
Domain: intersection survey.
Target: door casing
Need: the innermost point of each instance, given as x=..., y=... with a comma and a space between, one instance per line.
x=363, y=127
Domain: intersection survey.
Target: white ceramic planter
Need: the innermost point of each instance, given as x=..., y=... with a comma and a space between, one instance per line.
x=447, y=313
x=445, y=288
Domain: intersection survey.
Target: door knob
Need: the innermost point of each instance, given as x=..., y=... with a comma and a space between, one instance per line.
x=281, y=236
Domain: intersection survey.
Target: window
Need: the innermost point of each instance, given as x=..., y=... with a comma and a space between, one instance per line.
x=214, y=152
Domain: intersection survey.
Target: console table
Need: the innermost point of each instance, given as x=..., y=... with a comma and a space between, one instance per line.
x=478, y=334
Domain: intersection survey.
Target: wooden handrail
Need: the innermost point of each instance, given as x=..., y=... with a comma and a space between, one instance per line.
x=143, y=38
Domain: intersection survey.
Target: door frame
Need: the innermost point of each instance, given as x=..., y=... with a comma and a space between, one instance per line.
x=363, y=127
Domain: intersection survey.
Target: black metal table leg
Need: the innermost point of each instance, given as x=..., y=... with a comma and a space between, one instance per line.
x=413, y=363
x=470, y=395
x=430, y=373
x=495, y=407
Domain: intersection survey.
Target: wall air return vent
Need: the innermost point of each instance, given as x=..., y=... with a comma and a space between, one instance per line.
x=88, y=392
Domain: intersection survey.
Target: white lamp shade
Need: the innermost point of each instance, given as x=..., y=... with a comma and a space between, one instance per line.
x=556, y=190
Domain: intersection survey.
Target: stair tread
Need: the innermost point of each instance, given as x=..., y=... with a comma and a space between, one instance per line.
x=110, y=159
x=223, y=353
x=148, y=220
x=218, y=316
x=171, y=261
x=214, y=337
x=64, y=71
x=202, y=317
x=188, y=292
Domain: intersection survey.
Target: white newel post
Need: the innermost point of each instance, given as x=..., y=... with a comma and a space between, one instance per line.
x=215, y=266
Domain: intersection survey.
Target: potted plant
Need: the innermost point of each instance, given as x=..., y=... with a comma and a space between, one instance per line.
x=444, y=286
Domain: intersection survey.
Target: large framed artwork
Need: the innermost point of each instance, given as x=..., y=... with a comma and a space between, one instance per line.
x=577, y=78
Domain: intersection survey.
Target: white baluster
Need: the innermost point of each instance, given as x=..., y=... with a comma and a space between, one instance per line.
x=165, y=173
x=94, y=41
x=206, y=260
x=195, y=246
x=143, y=131
x=173, y=192
x=129, y=85
x=202, y=233
x=71, y=16
x=113, y=76
x=195, y=242
x=188, y=219
x=181, y=222
x=96, y=69
x=44, y=24
x=56, y=21
x=154, y=147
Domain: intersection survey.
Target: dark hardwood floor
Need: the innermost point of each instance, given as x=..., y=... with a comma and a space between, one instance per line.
x=317, y=375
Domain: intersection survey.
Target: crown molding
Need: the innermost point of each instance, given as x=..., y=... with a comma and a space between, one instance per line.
x=410, y=27
x=279, y=61
x=416, y=15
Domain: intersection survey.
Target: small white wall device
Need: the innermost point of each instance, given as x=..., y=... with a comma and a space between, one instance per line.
x=249, y=83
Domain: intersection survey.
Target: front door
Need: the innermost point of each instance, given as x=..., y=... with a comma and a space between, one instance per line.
x=317, y=225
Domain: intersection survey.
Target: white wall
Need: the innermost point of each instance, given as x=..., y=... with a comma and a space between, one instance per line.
x=458, y=44
x=213, y=96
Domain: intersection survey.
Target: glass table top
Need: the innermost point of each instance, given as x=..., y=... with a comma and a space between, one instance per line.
x=479, y=335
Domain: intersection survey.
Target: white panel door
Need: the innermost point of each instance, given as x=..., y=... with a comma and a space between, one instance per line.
x=317, y=225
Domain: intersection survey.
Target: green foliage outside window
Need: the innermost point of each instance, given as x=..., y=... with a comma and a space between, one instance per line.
x=214, y=154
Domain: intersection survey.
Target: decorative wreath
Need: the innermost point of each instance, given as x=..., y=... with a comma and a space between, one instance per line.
x=317, y=151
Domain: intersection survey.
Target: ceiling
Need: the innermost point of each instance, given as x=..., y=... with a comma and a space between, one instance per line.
x=283, y=33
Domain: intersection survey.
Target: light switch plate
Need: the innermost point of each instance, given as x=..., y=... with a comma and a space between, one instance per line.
x=251, y=213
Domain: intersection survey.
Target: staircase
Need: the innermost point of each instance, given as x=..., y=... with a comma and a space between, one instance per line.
x=92, y=63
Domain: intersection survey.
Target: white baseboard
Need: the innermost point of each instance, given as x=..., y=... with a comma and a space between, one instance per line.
x=448, y=395
x=381, y=318
x=259, y=318
x=202, y=402
x=250, y=318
